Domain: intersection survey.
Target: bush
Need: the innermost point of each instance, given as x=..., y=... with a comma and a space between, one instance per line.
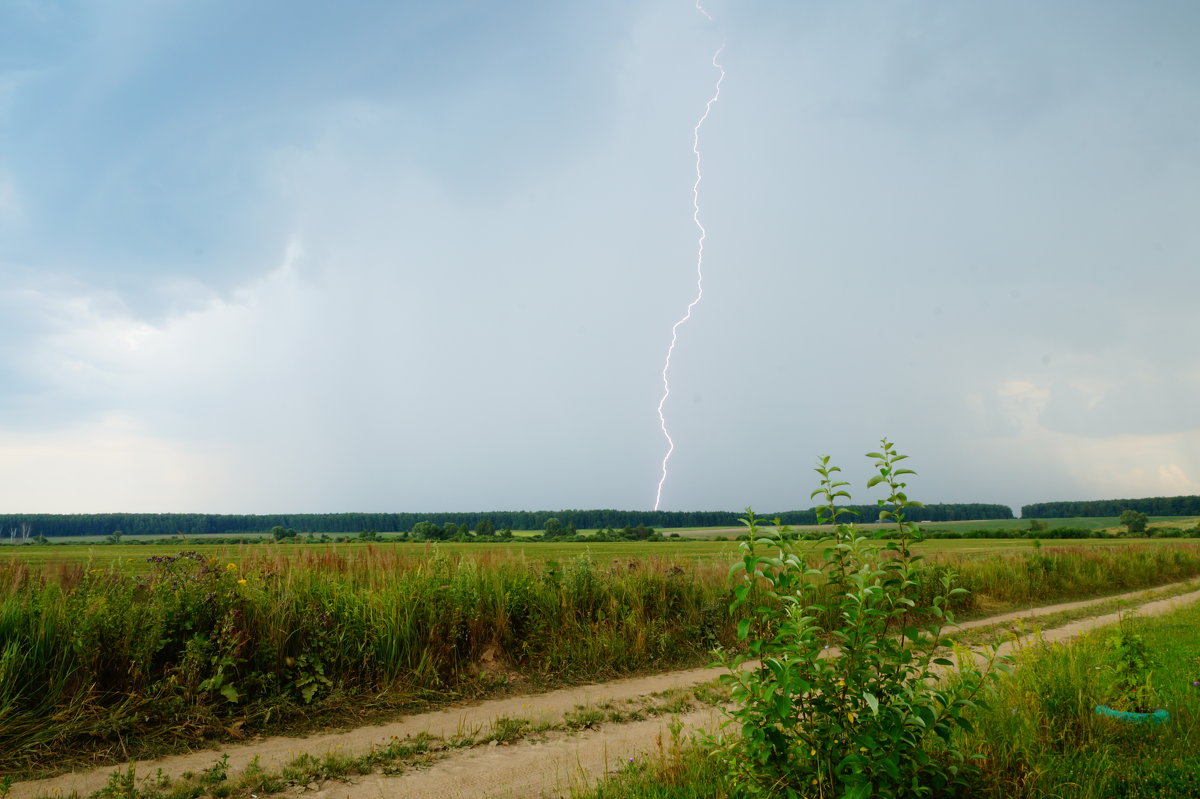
x=844, y=700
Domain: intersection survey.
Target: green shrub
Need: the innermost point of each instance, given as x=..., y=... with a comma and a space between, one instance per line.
x=845, y=699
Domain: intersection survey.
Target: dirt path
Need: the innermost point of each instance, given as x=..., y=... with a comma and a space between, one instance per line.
x=550, y=767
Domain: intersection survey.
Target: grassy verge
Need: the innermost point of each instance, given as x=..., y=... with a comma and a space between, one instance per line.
x=1043, y=738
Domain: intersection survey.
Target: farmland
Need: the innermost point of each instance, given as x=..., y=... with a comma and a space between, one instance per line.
x=696, y=545
x=690, y=544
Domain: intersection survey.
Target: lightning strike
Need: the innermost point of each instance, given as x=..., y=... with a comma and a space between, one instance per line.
x=662, y=419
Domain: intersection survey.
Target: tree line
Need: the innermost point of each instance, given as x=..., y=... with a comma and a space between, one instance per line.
x=53, y=525
x=1151, y=506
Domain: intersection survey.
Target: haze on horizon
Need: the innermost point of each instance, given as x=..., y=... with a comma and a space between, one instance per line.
x=298, y=257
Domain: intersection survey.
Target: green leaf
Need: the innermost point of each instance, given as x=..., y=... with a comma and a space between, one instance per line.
x=743, y=629
x=859, y=792
x=230, y=693
x=871, y=701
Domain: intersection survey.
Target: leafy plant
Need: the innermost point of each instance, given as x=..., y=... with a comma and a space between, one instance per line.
x=308, y=676
x=845, y=698
x=1130, y=670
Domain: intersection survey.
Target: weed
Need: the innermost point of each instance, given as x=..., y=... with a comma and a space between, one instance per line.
x=1130, y=670
x=505, y=729
x=216, y=773
x=584, y=718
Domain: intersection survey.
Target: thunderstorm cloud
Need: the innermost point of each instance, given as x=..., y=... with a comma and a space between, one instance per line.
x=294, y=256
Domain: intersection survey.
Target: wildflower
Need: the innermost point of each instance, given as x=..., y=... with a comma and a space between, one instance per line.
x=242, y=581
x=231, y=567
x=813, y=752
x=862, y=748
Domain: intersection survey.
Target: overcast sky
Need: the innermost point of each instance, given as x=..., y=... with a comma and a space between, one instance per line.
x=287, y=256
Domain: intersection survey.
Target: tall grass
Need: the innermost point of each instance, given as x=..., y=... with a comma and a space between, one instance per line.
x=103, y=657
x=1048, y=574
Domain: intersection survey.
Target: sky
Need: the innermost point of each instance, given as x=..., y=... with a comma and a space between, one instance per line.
x=298, y=256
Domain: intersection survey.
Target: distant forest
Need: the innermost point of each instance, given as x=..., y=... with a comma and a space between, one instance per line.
x=170, y=524
x=1151, y=506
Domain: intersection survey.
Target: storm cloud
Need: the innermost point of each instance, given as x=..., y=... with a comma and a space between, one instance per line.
x=282, y=257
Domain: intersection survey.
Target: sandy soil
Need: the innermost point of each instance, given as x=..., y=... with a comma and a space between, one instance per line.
x=551, y=767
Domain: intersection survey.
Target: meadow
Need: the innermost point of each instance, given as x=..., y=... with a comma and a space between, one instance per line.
x=140, y=650
x=692, y=544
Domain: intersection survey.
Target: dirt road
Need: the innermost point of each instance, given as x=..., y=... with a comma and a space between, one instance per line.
x=547, y=767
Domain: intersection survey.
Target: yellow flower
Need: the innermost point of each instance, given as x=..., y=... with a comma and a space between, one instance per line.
x=242, y=581
x=813, y=752
x=231, y=567
x=862, y=748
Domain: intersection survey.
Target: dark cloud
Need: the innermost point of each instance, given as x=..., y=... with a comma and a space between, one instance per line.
x=428, y=257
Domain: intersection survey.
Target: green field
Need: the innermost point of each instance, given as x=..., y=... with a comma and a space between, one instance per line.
x=1077, y=523
x=108, y=647
x=134, y=556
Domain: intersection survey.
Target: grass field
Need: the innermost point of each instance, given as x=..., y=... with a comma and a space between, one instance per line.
x=134, y=556
x=143, y=647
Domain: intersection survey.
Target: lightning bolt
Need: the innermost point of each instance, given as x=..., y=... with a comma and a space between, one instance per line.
x=662, y=419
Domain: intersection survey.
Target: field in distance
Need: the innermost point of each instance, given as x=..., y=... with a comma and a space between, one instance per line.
x=1108, y=523
x=692, y=544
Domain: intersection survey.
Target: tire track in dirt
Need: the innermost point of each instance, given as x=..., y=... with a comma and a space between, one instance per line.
x=546, y=768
